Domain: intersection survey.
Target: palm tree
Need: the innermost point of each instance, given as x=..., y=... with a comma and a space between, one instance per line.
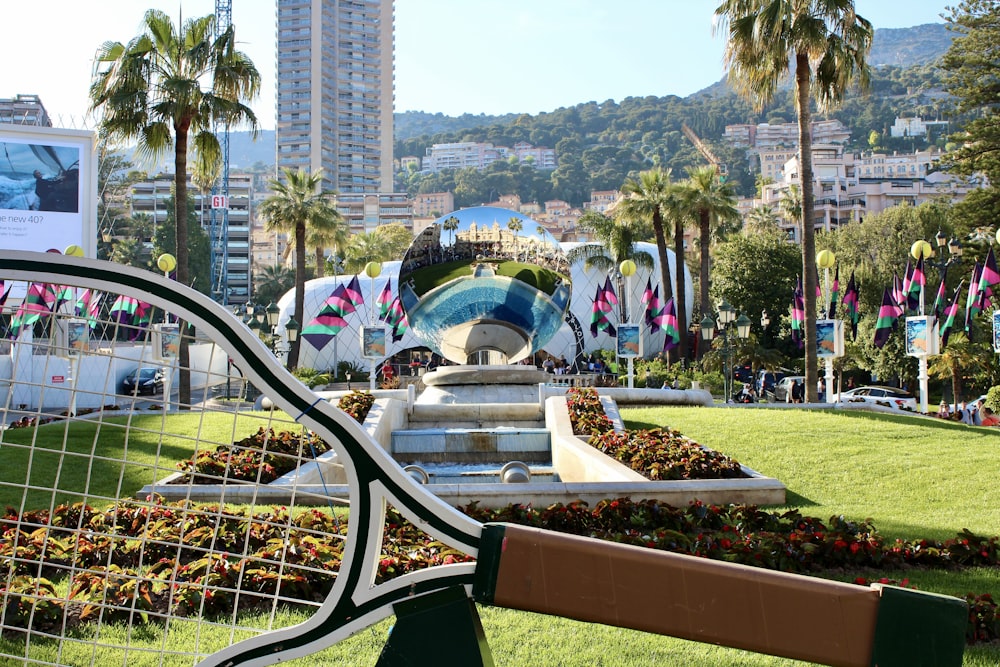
x=713, y=201
x=150, y=92
x=790, y=204
x=329, y=233
x=271, y=282
x=761, y=219
x=515, y=225
x=297, y=203
x=616, y=238
x=825, y=39
x=959, y=359
x=653, y=199
x=366, y=247
x=450, y=225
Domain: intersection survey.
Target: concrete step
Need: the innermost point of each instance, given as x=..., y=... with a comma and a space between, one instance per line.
x=498, y=413
x=476, y=444
x=414, y=424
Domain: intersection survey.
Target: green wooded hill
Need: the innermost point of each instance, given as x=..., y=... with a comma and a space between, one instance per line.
x=600, y=144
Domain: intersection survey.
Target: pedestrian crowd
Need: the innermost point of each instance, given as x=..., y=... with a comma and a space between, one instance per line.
x=973, y=414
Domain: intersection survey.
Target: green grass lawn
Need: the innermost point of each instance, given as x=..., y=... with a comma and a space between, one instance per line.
x=912, y=477
x=113, y=458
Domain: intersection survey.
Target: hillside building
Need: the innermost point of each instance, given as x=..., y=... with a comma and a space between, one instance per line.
x=849, y=186
x=915, y=127
x=480, y=155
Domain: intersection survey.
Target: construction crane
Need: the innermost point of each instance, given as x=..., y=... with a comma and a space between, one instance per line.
x=219, y=231
x=720, y=168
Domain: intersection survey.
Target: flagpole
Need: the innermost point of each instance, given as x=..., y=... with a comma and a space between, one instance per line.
x=627, y=267
x=921, y=250
x=826, y=259
x=372, y=270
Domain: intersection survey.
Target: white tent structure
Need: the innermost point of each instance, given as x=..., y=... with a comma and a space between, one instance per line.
x=574, y=334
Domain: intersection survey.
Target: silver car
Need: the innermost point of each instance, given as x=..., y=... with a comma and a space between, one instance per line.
x=783, y=390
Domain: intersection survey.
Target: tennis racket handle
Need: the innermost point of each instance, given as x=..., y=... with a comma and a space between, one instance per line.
x=704, y=600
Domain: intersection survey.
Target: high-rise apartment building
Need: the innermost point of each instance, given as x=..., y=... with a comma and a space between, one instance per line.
x=335, y=91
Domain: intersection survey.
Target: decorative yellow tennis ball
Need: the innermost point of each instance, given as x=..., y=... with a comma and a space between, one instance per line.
x=166, y=262
x=825, y=259
x=73, y=251
x=920, y=249
x=373, y=269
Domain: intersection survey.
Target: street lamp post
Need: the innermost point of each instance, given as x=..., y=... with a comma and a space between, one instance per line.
x=727, y=321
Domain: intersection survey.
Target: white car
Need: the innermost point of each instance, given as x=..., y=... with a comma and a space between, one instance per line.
x=887, y=397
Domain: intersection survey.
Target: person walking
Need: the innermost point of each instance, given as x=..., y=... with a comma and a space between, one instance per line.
x=796, y=392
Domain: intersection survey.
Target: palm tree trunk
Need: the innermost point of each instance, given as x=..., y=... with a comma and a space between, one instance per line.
x=681, y=296
x=802, y=84
x=300, y=290
x=183, y=271
x=320, y=262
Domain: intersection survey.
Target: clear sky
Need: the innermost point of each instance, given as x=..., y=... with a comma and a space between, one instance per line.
x=452, y=56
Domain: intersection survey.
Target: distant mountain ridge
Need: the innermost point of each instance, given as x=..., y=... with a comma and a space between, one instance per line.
x=899, y=47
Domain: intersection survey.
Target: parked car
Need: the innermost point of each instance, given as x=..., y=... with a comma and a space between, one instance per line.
x=783, y=389
x=766, y=380
x=743, y=373
x=889, y=397
x=143, y=380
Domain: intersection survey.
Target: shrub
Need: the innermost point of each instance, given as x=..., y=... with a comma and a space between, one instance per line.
x=175, y=536
x=311, y=377
x=586, y=413
x=993, y=399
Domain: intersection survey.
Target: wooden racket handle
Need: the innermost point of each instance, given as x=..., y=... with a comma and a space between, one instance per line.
x=711, y=601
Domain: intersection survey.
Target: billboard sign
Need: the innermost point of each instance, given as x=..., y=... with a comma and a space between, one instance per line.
x=48, y=189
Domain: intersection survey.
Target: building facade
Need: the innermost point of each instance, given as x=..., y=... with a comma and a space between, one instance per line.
x=149, y=197
x=24, y=110
x=365, y=212
x=335, y=91
x=848, y=186
x=480, y=155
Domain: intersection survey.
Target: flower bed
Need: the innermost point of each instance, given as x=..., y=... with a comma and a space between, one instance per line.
x=169, y=541
x=265, y=456
x=658, y=454
x=357, y=404
x=262, y=458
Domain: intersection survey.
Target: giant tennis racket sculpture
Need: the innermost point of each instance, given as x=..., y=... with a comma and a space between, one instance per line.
x=87, y=575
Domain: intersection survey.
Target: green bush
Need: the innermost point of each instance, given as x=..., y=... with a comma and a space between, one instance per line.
x=993, y=399
x=311, y=377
